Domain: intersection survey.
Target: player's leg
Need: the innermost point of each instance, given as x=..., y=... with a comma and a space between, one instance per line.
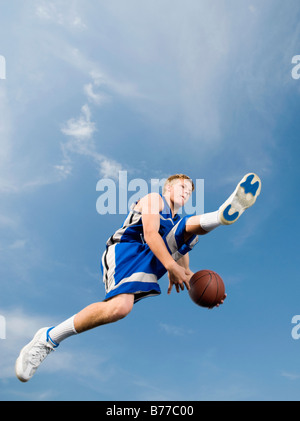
x=98, y=314
x=92, y=316
x=241, y=199
x=202, y=224
x=47, y=339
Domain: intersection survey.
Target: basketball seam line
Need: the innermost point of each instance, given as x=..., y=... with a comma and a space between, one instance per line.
x=205, y=287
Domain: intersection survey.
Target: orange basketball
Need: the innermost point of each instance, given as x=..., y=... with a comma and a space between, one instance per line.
x=207, y=288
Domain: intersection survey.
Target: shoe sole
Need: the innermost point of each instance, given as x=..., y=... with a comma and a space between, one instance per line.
x=243, y=197
x=18, y=365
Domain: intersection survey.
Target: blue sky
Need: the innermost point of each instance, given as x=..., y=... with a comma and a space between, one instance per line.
x=151, y=88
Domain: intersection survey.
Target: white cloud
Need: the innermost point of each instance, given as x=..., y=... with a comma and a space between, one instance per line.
x=95, y=97
x=81, y=128
x=61, y=12
x=122, y=85
x=78, y=23
x=252, y=8
x=175, y=330
x=290, y=376
x=17, y=172
x=17, y=244
x=128, y=89
x=5, y=126
x=80, y=131
x=7, y=221
x=176, y=73
x=64, y=170
x=110, y=168
x=20, y=327
x=6, y=176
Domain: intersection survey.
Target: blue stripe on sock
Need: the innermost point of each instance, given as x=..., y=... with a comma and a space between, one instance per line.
x=55, y=344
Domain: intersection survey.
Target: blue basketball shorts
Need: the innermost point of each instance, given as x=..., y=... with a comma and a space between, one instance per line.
x=132, y=268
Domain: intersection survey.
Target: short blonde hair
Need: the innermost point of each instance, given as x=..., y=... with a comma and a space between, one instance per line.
x=176, y=177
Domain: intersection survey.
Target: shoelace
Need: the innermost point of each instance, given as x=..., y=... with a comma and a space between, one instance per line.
x=39, y=353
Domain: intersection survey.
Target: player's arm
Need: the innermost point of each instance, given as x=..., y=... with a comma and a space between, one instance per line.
x=150, y=207
x=184, y=261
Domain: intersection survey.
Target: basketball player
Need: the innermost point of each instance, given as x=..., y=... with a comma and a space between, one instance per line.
x=153, y=240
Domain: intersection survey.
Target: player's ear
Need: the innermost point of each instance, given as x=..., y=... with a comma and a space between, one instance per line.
x=168, y=187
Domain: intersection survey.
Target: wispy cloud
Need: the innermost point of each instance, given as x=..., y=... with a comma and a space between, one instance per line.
x=15, y=245
x=290, y=376
x=175, y=330
x=6, y=128
x=97, y=98
x=199, y=45
x=103, y=81
x=61, y=13
x=81, y=142
x=81, y=128
x=19, y=329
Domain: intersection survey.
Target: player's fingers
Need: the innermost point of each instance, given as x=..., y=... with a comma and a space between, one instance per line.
x=187, y=280
x=187, y=284
x=218, y=305
x=222, y=301
x=170, y=287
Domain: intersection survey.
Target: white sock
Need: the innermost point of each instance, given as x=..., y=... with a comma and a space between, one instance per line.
x=210, y=221
x=62, y=331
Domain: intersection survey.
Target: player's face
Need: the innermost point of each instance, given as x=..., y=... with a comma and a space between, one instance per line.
x=181, y=192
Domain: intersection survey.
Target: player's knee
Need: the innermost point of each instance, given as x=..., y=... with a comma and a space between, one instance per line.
x=121, y=311
x=122, y=308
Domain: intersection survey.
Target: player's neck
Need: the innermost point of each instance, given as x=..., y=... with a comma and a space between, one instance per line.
x=171, y=205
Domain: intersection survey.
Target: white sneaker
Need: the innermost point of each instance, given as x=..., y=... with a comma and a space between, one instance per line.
x=33, y=354
x=241, y=199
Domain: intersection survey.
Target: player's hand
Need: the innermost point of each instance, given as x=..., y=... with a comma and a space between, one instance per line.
x=179, y=277
x=221, y=302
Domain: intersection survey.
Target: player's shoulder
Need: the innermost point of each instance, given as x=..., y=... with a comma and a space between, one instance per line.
x=151, y=201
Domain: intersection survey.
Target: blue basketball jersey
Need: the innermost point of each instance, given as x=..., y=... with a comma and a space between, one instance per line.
x=132, y=228
x=128, y=264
